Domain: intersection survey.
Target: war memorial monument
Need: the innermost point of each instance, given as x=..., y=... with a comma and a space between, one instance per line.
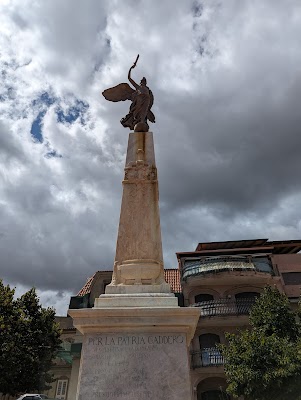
x=136, y=338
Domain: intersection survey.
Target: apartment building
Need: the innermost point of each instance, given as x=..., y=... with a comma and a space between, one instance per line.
x=223, y=280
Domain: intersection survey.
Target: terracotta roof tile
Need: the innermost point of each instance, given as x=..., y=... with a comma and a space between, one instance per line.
x=172, y=276
x=87, y=286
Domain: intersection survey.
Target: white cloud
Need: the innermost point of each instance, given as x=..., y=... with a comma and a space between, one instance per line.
x=227, y=95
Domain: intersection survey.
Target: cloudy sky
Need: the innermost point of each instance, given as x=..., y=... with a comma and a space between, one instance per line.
x=226, y=76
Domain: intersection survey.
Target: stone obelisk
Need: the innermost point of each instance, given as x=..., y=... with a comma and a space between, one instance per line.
x=136, y=336
x=138, y=268
x=138, y=262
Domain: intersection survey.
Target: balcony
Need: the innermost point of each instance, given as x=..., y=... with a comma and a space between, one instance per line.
x=209, y=357
x=222, y=307
x=206, y=266
x=68, y=351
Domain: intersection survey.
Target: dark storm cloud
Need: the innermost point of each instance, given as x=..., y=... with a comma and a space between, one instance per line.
x=51, y=236
x=227, y=86
x=250, y=158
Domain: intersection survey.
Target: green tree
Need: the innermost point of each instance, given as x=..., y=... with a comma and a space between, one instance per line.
x=264, y=362
x=29, y=340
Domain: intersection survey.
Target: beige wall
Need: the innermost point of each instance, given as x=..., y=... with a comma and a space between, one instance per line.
x=59, y=372
x=288, y=263
x=221, y=285
x=73, y=379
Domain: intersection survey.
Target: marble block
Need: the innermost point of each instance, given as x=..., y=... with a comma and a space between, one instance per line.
x=134, y=366
x=135, y=289
x=136, y=300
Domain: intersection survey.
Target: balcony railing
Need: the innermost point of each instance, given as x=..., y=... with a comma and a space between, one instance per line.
x=212, y=308
x=207, y=265
x=209, y=357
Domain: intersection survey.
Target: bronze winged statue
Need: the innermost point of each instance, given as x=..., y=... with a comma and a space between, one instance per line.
x=142, y=100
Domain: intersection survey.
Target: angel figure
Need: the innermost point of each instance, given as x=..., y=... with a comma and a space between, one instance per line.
x=142, y=100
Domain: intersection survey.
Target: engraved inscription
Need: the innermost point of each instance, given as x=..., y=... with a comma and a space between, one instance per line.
x=134, y=366
x=131, y=340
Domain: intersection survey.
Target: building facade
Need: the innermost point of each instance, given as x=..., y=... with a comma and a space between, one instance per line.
x=221, y=279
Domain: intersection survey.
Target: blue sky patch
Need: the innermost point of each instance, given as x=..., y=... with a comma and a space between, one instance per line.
x=45, y=98
x=73, y=113
x=64, y=116
x=36, y=127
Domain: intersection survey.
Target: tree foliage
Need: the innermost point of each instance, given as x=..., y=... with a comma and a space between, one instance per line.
x=29, y=340
x=264, y=362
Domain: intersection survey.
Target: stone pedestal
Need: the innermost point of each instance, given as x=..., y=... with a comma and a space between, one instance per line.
x=135, y=353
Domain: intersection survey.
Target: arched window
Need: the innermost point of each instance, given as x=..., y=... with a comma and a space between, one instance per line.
x=208, y=340
x=212, y=389
x=247, y=295
x=214, y=395
x=245, y=301
x=203, y=297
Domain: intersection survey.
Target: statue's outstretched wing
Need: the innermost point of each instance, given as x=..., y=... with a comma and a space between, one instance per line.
x=151, y=99
x=150, y=114
x=121, y=92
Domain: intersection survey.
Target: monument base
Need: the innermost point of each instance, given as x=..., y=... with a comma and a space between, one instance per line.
x=136, y=300
x=135, y=353
x=128, y=289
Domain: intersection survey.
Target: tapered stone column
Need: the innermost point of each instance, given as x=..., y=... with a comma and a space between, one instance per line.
x=136, y=337
x=138, y=265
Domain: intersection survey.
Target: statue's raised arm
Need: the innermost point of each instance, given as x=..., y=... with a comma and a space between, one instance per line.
x=129, y=74
x=142, y=100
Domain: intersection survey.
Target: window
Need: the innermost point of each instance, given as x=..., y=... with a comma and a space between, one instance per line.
x=208, y=340
x=262, y=264
x=210, y=354
x=203, y=297
x=61, y=389
x=245, y=301
x=247, y=295
x=214, y=395
x=292, y=278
